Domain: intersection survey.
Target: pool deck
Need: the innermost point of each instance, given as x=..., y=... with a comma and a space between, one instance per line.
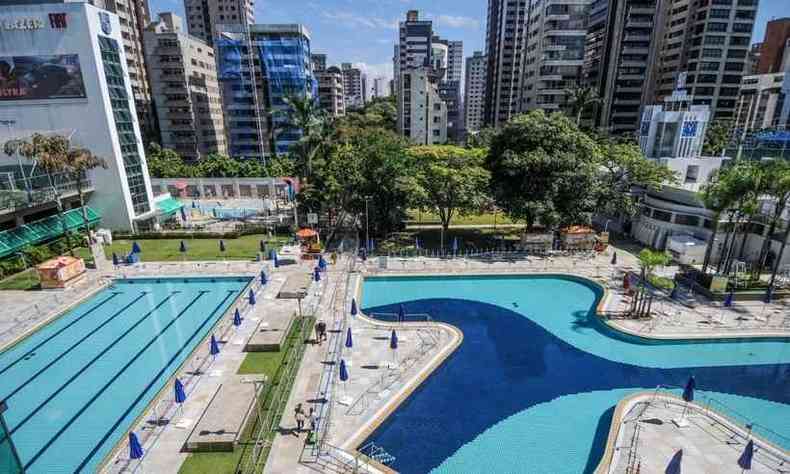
x=377, y=385
x=644, y=437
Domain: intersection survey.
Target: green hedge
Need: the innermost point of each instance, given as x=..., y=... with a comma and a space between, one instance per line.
x=35, y=254
x=248, y=230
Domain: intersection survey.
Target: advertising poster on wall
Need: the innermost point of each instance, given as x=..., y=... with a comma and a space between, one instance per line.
x=41, y=77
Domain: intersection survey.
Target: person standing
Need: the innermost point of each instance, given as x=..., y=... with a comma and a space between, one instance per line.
x=320, y=329
x=299, y=416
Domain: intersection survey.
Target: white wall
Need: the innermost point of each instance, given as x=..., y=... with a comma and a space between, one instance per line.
x=89, y=121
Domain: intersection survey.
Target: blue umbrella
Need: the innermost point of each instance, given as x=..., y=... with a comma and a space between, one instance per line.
x=343, y=371
x=349, y=340
x=674, y=294
x=262, y=246
x=674, y=464
x=237, y=318
x=183, y=247
x=769, y=295
x=316, y=274
x=364, y=254
x=614, y=258
x=321, y=263
x=213, y=347
x=263, y=277
x=745, y=461
x=221, y=245
x=181, y=396
x=115, y=260
x=136, y=247
x=455, y=244
x=401, y=314
x=183, y=214
x=393, y=340
x=728, y=299
x=273, y=257
x=194, y=206
x=251, y=297
x=135, y=449
x=417, y=242
x=353, y=306
x=688, y=391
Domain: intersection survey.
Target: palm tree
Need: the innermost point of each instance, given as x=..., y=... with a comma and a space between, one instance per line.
x=580, y=98
x=304, y=114
x=743, y=184
x=716, y=198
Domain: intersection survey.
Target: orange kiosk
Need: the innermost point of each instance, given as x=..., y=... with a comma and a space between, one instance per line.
x=60, y=272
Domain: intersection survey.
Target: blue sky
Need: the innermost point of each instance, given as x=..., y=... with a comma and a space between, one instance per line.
x=363, y=31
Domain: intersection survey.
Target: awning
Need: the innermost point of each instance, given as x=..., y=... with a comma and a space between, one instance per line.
x=45, y=229
x=169, y=206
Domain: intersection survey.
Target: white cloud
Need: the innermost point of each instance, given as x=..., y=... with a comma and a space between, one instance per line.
x=354, y=20
x=375, y=70
x=452, y=21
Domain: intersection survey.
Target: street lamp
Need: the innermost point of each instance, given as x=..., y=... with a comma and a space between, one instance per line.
x=367, y=224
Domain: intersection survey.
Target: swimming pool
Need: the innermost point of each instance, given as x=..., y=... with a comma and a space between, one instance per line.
x=533, y=386
x=76, y=385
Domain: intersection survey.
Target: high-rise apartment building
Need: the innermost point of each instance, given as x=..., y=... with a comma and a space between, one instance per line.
x=474, y=91
x=506, y=34
x=621, y=48
x=319, y=61
x=203, y=16
x=710, y=41
x=554, y=53
x=381, y=87
x=455, y=61
x=354, y=84
x=331, y=92
x=763, y=102
x=774, y=46
x=258, y=67
x=183, y=76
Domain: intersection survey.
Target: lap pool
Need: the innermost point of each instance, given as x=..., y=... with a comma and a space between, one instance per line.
x=75, y=386
x=533, y=386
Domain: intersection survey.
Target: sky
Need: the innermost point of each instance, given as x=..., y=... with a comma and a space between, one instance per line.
x=364, y=31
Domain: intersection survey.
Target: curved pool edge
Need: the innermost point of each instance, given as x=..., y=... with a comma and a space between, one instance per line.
x=363, y=432
x=608, y=459
x=601, y=309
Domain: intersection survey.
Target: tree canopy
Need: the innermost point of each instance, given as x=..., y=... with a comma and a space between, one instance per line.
x=717, y=137
x=450, y=179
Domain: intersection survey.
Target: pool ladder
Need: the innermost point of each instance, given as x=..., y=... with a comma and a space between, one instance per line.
x=377, y=453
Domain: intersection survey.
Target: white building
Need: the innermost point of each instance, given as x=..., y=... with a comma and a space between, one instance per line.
x=66, y=72
x=424, y=112
x=475, y=91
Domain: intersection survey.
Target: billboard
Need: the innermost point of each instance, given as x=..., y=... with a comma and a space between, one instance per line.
x=41, y=77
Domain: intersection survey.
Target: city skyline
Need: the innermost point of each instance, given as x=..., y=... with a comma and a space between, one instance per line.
x=363, y=31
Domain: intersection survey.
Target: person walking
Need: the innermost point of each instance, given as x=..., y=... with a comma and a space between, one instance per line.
x=334, y=258
x=299, y=416
x=312, y=421
x=320, y=329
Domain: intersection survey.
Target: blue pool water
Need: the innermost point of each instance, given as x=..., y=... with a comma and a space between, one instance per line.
x=75, y=386
x=533, y=386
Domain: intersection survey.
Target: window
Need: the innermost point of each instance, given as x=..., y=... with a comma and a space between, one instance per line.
x=717, y=27
x=715, y=39
x=708, y=66
x=662, y=215
x=685, y=219
x=692, y=173
x=719, y=13
x=711, y=53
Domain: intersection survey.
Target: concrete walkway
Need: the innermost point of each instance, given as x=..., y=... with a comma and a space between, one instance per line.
x=645, y=437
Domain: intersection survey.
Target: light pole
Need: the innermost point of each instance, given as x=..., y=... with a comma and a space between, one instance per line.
x=367, y=224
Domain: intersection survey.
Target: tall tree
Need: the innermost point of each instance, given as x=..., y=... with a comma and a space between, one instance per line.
x=166, y=163
x=581, y=98
x=78, y=162
x=543, y=169
x=775, y=178
x=717, y=137
x=716, y=197
x=451, y=179
x=623, y=166
x=304, y=115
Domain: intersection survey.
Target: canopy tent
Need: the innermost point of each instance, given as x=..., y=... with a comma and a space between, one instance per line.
x=169, y=206
x=45, y=229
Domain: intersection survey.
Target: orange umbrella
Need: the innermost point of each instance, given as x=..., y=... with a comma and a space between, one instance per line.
x=306, y=233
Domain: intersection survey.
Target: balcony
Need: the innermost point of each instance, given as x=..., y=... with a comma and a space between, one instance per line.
x=37, y=191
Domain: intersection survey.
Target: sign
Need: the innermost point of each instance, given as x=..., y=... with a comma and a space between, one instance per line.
x=312, y=218
x=689, y=129
x=23, y=23
x=41, y=77
x=57, y=20
x=105, y=23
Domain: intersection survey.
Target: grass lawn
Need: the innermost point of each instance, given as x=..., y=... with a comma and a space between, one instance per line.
x=167, y=250
x=28, y=279
x=431, y=218
x=271, y=365
x=468, y=239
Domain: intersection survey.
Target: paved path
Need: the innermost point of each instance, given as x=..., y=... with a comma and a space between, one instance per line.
x=647, y=438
